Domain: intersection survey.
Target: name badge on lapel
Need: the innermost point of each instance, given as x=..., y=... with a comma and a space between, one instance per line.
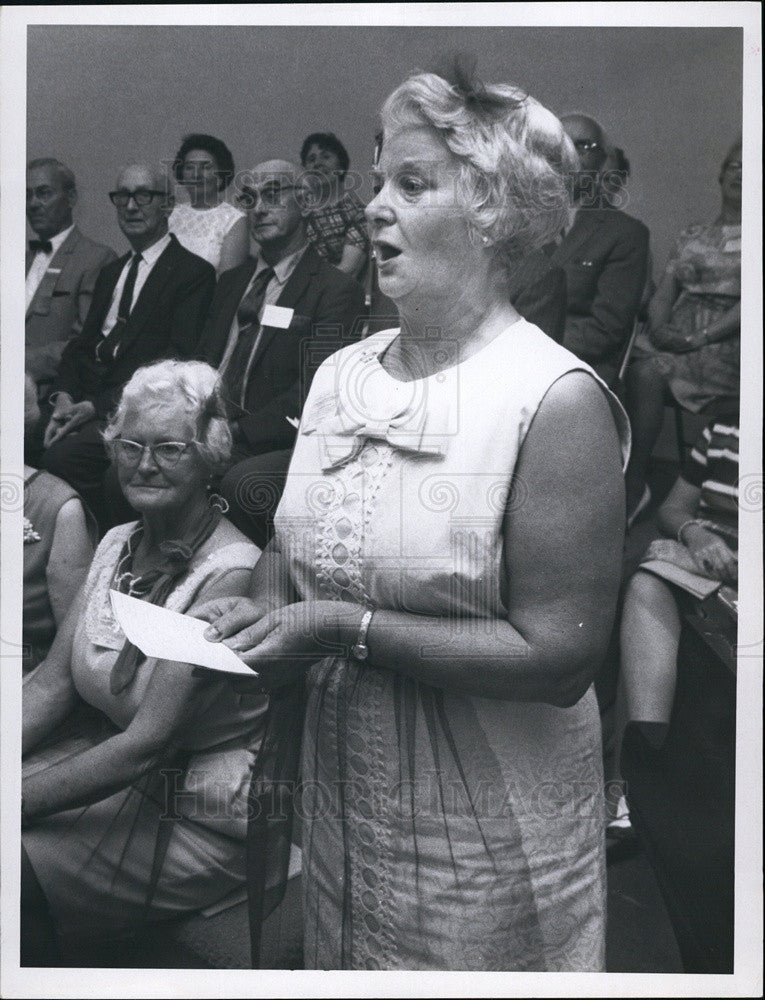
x=278, y=316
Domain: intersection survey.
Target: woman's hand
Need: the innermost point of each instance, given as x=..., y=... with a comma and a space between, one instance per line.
x=281, y=644
x=710, y=553
x=235, y=613
x=67, y=416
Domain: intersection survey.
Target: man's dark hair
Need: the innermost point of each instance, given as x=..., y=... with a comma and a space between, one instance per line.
x=66, y=176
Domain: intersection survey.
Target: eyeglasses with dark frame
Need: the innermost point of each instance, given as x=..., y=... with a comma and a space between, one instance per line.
x=270, y=196
x=142, y=197
x=165, y=454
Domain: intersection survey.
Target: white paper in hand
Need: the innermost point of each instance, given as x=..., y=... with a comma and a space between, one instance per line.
x=168, y=635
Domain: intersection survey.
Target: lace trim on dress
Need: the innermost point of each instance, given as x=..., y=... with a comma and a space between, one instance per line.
x=343, y=517
x=344, y=514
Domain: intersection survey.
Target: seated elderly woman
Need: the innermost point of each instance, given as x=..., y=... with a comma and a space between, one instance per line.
x=691, y=353
x=449, y=562
x=207, y=224
x=99, y=852
x=59, y=537
x=700, y=520
x=336, y=225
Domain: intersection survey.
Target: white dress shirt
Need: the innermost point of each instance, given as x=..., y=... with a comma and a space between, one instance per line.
x=150, y=257
x=40, y=264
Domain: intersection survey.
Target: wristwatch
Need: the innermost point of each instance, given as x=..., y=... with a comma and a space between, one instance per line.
x=360, y=650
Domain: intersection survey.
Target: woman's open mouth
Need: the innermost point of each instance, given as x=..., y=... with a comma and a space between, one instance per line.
x=385, y=252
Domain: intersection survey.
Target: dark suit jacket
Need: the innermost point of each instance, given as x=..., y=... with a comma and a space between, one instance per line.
x=328, y=314
x=537, y=289
x=605, y=257
x=61, y=302
x=165, y=322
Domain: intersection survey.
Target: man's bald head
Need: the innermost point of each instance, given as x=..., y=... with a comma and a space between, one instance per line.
x=273, y=195
x=577, y=124
x=147, y=175
x=587, y=137
x=284, y=167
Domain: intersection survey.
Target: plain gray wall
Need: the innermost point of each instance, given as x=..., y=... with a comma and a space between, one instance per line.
x=100, y=97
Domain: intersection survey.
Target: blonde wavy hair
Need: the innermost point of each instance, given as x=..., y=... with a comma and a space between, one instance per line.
x=514, y=156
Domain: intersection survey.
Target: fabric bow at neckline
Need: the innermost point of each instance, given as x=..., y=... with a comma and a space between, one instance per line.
x=368, y=404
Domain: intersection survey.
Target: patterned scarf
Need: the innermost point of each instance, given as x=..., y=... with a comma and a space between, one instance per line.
x=156, y=585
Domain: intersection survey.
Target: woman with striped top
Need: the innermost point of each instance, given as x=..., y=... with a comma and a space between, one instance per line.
x=700, y=521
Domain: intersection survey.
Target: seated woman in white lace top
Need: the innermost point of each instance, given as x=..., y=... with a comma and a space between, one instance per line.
x=207, y=225
x=138, y=810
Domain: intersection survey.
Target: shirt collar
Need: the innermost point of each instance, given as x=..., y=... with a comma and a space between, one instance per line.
x=58, y=239
x=152, y=254
x=283, y=268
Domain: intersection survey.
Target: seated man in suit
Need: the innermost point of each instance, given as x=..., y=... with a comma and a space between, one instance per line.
x=272, y=321
x=149, y=304
x=604, y=253
x=61, y=268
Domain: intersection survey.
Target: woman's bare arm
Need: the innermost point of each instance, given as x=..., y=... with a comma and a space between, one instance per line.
x=665, y=296
x=70, y=557
x=235, y=247
x=49, y=693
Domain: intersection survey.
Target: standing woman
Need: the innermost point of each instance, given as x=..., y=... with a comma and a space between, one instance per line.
x=451, y=533
x=208, y=225
x=336, y=226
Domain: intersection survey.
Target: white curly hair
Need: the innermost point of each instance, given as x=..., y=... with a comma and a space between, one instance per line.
x=197, y=386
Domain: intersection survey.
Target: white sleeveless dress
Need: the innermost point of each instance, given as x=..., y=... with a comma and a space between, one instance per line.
x=202, y=231
x=441, y=830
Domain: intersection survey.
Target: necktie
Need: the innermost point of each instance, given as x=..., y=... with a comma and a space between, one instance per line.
x=44, y=246
x=248, y=318
x=108, y=347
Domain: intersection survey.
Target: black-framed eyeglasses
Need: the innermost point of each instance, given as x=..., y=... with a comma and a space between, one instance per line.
x=269, y=196
x=583, y=146
x=142, y=197
x=165, y=454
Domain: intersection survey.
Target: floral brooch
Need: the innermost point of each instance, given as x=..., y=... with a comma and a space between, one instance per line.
x=30, y=535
